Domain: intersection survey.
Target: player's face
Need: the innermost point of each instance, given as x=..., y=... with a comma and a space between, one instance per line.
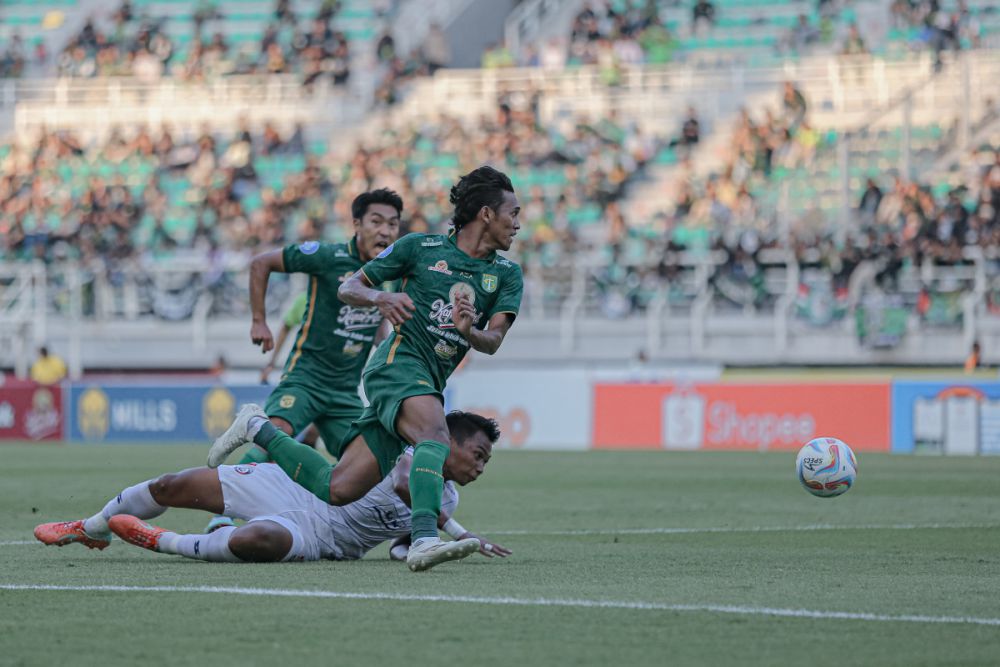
x=377, y=229
x=467, y=459
x=503, y=223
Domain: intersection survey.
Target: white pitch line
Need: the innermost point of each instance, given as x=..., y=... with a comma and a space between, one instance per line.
x=748, y=529
x=522, y=602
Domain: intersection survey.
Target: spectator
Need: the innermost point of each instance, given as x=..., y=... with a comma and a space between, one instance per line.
x=48, y=369
x=975, y=360
x=794, y=103
x=702, y=16
x=870, y=201
x=853, y=45
x=436, y=51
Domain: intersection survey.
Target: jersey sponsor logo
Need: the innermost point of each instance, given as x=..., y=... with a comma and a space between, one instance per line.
x=286, y=401
x=353, y=348
x=440, y=266
x=462, y=289
x=466, y=275
x=353, y=319
x=309, y=247
x=244, y=469
x=500, y=261
x=445, y=350
x=489, y=282
x=431, y=243
x=341, y=253
x=386, y=252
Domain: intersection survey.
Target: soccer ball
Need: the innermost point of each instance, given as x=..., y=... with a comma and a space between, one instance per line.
x=826, y=467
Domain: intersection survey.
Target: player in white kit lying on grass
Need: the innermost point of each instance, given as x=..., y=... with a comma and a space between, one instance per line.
x=284, y=521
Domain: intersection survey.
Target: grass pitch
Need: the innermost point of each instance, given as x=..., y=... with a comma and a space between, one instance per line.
x=702, y=558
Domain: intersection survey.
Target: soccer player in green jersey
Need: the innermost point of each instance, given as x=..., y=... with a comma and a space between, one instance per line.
x=457, y=294
x=321, y=376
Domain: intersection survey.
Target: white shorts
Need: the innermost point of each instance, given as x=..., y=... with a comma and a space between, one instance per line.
x=263, y=492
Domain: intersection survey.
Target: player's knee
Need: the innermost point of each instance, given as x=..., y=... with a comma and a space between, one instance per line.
x=283, y=426
x=164, y=488
x=260, y=542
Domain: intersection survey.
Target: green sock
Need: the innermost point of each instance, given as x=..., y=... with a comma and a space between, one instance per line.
x=307, y=467
x=426, y=486
x=255, y=455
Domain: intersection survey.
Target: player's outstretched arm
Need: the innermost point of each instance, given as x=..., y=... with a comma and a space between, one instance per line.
x=261, y=268
x=396, y=307
x=487, y=341
x=401, y=485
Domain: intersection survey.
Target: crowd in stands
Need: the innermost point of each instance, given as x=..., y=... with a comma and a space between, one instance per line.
x=139, y=44
x=145, y=192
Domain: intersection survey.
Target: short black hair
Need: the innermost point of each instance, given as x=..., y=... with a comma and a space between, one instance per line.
x=481, y=187
x=463, y=425
x=381, y=196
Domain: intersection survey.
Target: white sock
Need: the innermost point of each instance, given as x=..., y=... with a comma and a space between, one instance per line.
x=213, y=547
x=253, y=426
x=135, y=500
x=417, y=542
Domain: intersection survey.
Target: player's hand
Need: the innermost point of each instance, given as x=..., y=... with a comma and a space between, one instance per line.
x=261, y=335
x=463, y=314
x=487, y=548
x=396, y=307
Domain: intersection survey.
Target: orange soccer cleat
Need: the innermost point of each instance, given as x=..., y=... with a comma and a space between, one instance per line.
x=135, y=531
x=62, y=533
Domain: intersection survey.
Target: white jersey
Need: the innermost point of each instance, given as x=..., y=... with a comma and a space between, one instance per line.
x=378, y=517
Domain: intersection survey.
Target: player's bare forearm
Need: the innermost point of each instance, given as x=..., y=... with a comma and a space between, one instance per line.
x=396, y=307
x=357, y=291
x=261, y=268
x=487, y=341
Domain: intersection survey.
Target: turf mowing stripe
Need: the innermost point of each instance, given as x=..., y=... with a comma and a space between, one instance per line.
x=686, y=531
x=523, y=602
x=749, y=529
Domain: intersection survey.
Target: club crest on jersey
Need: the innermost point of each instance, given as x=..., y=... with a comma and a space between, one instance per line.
x=489, y=283
x=309, y=247
x=445, y=350
x=440, y=266
x=243, y=469
x=286, y=401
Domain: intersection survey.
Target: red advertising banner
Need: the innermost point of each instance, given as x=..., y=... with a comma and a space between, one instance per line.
x=740, y=416
x=30, y=411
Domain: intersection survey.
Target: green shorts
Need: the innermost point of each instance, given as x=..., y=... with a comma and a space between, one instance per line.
x=332, y=411
x=385, y=446
x=387, y=386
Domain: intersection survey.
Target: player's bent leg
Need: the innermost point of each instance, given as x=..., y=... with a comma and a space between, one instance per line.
x=307, y=467
x=94, y=532
x=261, y=542
x=195, y=489
x=355, y=474
x=421, y=421
x=213, y=547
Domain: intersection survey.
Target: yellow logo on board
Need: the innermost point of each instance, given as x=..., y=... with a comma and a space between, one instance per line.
x=92, y=413
x=217, y=411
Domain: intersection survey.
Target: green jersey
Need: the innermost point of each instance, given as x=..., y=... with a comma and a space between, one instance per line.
x=434, y=272
x=333, y=344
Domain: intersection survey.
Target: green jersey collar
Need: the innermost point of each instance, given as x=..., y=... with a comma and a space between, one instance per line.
x=453, y=240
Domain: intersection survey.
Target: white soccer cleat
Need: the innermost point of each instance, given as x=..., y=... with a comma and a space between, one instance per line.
x=235, y=436
x=433, y=552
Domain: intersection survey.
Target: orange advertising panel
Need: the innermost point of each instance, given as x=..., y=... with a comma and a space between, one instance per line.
x=740, y=416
